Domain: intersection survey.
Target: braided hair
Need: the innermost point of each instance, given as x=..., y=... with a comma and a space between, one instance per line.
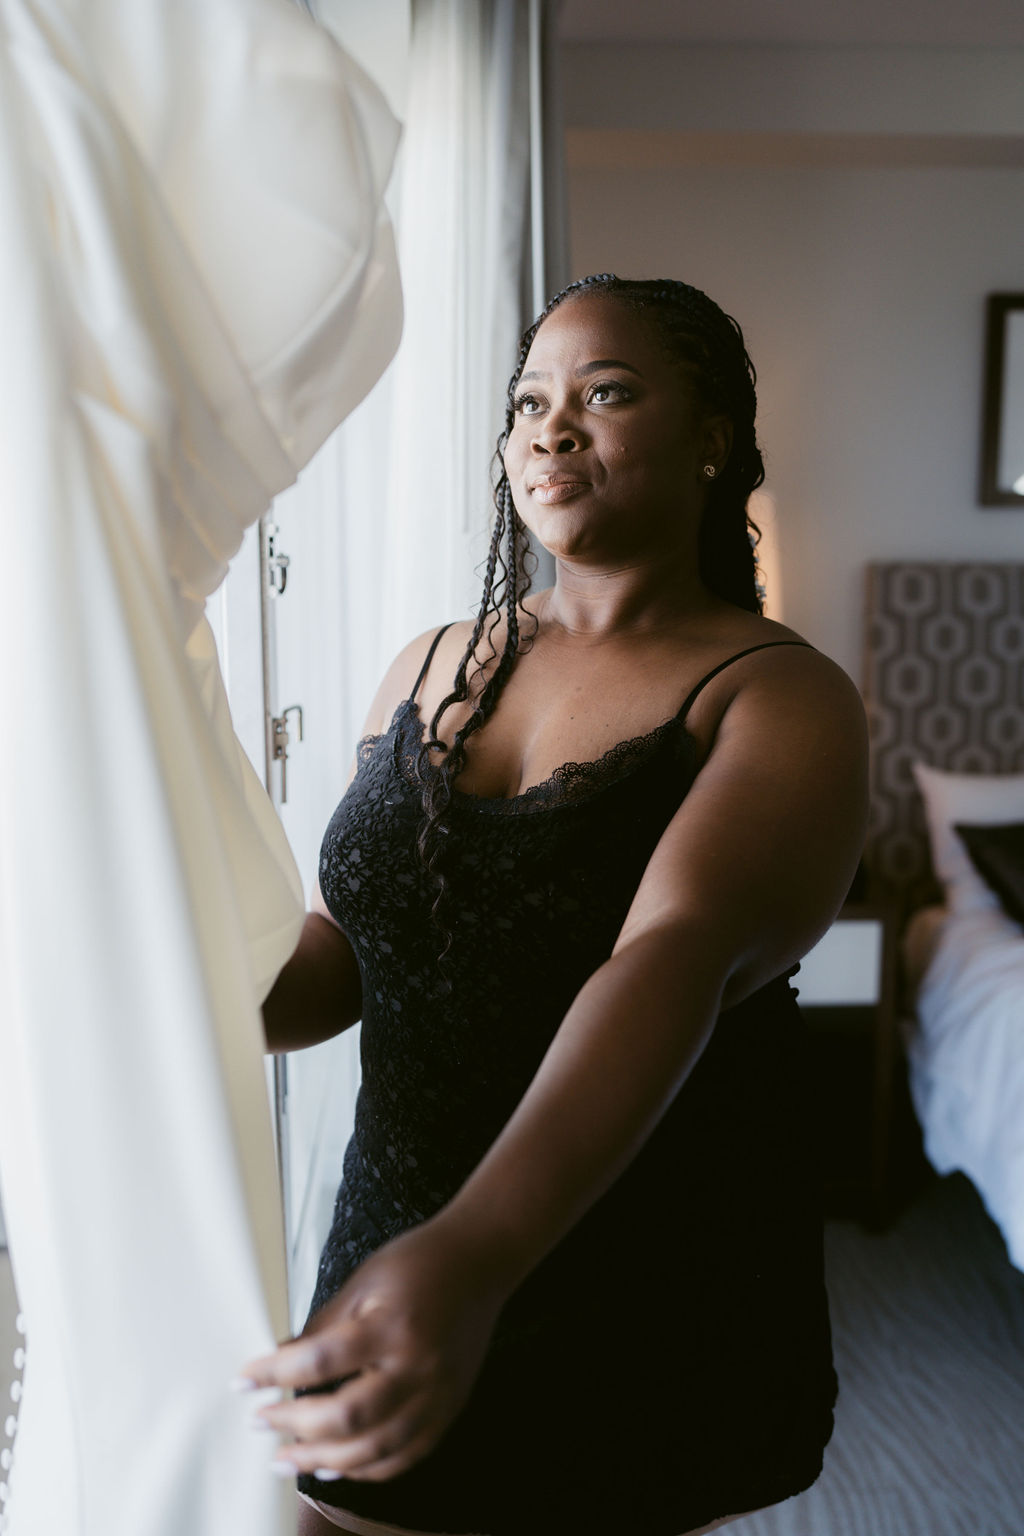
x=708, y=346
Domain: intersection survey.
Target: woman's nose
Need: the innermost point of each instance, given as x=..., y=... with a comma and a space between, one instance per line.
x=557, y=433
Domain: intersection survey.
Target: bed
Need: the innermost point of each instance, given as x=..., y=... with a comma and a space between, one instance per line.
x=944, y=686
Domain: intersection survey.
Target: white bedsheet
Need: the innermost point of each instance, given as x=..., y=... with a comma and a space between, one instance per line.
x=966, y=1056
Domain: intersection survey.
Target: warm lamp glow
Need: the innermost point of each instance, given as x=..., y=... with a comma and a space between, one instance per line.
x=763, y=512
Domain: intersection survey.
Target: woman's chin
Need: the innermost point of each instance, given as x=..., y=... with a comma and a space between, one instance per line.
x=566, y=533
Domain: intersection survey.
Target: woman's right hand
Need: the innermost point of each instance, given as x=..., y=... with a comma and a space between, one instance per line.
x=409, y=1330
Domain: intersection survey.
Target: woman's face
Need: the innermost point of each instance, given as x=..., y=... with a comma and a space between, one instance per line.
x=606, y=456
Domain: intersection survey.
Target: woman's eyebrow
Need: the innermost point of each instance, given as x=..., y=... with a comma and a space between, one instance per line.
x=594, y=367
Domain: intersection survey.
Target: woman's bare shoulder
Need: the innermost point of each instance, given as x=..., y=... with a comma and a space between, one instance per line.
x=776, y=650
x=773, y=672
x=785, y=684
x=399, y=681
x=785, y=654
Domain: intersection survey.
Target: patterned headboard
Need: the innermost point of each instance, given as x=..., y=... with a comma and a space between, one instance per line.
x=944, y=683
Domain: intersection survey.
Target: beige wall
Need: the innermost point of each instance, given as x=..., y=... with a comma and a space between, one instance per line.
x=857, y=261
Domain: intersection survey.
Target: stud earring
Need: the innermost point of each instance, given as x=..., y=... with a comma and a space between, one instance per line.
x=710, y=471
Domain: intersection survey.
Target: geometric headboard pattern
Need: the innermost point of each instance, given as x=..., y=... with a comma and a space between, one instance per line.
x=943, y=684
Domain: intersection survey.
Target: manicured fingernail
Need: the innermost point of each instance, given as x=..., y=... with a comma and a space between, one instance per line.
x=257, y=1423
x=283, y=1468
x=241, y=1384
x=326, y=1475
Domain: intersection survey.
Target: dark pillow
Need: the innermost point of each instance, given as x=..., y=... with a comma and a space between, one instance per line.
x=997, y=853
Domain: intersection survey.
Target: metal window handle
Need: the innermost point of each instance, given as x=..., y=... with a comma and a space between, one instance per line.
x=281, y=738
x=277, y=563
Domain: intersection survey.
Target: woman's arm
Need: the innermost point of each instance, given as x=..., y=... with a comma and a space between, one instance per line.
x=749, y=873
x=318, y=993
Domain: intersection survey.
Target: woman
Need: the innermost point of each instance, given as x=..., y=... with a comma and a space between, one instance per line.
x=574, y=1280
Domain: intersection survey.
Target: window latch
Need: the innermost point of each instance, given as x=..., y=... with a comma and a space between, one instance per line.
x=281, y=739
x=277, y=563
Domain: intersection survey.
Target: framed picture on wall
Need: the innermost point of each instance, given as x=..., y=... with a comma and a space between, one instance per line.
x=1002, y=421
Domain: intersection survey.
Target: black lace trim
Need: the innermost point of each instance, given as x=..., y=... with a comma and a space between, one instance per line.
x=570, y=784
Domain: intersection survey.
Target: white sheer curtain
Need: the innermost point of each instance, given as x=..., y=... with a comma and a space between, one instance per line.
x=414, y=460
x=197, y=281
x=387, y=527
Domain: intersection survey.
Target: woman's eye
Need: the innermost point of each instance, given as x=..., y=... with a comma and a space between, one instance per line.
x=527, y=405
x=610, y=390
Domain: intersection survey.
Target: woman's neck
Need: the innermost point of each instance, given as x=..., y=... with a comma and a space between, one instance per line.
x=597, y=603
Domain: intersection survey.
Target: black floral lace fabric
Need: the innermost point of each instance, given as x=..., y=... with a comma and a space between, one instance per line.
x=567, y=785
x=669, y=1362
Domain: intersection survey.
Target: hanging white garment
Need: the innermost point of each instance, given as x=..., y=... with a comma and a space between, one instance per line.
x=197, y=282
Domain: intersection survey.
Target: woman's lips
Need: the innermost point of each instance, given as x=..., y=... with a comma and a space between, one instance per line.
x=549, y=491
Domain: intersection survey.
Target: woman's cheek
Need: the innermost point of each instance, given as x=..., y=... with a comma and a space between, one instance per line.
x=521, y=501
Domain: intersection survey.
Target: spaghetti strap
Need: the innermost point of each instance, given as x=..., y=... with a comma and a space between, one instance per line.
x=764, y=646
x=428, y=659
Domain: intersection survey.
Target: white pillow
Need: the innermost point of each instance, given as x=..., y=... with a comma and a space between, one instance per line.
x=980, y=799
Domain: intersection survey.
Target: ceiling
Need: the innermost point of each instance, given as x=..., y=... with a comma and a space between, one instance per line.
x=826, y=23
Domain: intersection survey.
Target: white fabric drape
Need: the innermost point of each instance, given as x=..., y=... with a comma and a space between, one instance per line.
x=196, y=283
x=401, y=493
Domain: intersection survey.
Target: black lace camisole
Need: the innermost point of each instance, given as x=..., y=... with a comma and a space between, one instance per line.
x=670, y=1361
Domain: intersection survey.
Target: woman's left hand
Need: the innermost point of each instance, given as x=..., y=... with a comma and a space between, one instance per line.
x=408, y=1331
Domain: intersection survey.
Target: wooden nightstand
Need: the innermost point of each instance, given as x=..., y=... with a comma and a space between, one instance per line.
x=847, y=987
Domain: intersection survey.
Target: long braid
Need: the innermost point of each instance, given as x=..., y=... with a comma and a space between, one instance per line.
x=436, y=779
x=708, y=345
